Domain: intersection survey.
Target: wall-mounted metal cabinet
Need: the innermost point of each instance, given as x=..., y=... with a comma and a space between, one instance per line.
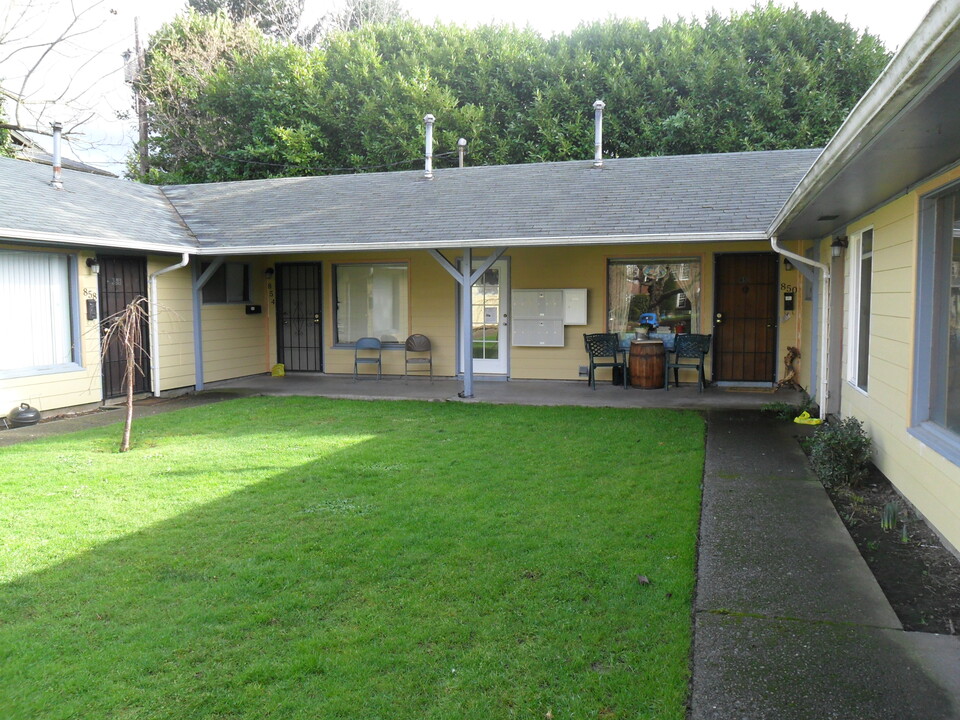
x=539, y=315
x=575, y=306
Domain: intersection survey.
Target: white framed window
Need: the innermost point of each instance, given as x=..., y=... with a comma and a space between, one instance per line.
x=935, y=417
x=371, y=301
x=230, y=283
x=858, y=322
x=41, y=334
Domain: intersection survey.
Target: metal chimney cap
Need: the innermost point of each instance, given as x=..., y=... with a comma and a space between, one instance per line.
x=57, y=181
x=599, y=105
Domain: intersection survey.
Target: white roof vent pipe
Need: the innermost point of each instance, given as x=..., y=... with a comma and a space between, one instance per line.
x=428, y=168
x=598, y=107
x=57, y=181
x=461, y=149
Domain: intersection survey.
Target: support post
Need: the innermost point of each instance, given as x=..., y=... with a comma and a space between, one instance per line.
x=198, y=283
x=466, y=323
x=466, y=280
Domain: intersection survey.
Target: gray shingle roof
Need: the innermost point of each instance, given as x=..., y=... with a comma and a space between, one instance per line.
x=735, y=193
x=89, y=209
x=693, y=197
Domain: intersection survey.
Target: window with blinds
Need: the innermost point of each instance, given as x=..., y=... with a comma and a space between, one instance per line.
x=38, y=328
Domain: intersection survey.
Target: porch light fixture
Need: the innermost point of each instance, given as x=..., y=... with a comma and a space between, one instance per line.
x=268, y=273
x=787, y=265
x=838, y=245
x=94, y=265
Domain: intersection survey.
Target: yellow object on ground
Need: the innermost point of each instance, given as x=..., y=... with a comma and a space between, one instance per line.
x=278, y=371
x=805, y=419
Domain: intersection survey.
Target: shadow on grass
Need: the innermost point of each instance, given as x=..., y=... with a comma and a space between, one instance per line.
x=419, y=574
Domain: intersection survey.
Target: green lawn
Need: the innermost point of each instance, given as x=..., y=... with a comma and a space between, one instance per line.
x=310, y=558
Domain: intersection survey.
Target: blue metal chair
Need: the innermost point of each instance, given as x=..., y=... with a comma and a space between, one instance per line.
x=693, y=348
x=367, y=344
x=604, y=345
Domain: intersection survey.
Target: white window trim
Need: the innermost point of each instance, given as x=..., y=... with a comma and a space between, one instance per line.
x=855, y=260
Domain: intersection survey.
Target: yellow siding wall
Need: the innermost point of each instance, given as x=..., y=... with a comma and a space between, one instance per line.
x=803, y=326
x=58, y=390
x=924, y=477
x=587, y=267
x=795, y=326
x=433, y=296
x=234, y=343
x=175, y=324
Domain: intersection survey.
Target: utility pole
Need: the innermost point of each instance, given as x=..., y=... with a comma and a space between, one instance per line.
x=133, y=71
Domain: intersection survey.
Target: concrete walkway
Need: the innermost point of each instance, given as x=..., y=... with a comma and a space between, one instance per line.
x=789, y=621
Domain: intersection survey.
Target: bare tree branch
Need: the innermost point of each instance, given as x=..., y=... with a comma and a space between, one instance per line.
x=36, y=35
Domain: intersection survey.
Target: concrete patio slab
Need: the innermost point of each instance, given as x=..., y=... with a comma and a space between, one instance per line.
x=522, y=392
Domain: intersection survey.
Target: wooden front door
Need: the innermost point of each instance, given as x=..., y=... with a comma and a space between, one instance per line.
x=123, y=278
x=745, y=318
x=299, y=327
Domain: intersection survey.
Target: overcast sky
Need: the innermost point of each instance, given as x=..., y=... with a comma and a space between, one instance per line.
x=106, y=139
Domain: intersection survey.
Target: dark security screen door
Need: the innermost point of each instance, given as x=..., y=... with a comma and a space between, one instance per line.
x=122, y=279
x=745, y=318
x=299, y=330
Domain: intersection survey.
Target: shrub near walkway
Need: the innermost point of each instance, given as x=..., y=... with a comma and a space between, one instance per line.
x=308, y=558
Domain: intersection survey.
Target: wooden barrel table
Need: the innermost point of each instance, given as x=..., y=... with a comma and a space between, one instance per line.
x=646, y=364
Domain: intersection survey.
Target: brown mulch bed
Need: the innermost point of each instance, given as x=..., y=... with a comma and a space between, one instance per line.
x=920, y=578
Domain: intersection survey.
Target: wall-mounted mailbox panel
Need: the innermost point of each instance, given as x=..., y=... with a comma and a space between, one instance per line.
x=538, y=304
x=537, y=333
x=540, y=315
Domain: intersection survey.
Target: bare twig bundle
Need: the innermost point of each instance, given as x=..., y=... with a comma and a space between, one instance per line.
x=125, y=328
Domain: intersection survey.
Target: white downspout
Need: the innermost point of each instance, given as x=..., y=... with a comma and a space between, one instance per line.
x=823, y=389
x=154, y=330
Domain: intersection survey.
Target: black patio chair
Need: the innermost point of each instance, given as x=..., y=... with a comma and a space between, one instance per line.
x=691, y=348
x=367, y=345
x=604, y=345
